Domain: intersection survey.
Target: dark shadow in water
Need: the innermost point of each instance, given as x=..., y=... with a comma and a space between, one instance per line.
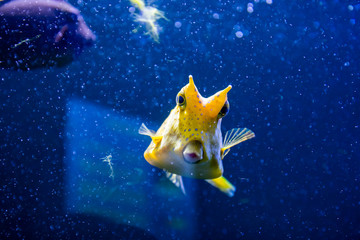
x=72, y=226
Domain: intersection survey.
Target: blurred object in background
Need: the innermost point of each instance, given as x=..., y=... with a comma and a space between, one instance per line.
x=147, y=17
x=41, y=33
x=131, y=192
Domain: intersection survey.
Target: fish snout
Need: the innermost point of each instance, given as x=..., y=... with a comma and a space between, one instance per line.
x=193, y=152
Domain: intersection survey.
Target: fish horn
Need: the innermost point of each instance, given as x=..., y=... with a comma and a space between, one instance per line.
x=191, y=90
x=217, y=101
x=191, y=80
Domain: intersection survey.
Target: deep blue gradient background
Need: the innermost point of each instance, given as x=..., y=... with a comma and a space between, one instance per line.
x=137, y=194
x=295, y=78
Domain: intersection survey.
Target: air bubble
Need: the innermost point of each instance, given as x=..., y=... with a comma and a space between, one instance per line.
x=131, y=9
x=239, y=34
x=178, y=24
x=216, y=16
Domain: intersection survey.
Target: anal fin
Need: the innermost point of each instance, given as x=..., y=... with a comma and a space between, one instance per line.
x=177, y=180
x=223, y=185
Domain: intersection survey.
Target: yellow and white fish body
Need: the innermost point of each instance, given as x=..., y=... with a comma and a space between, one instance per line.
x=189, y=143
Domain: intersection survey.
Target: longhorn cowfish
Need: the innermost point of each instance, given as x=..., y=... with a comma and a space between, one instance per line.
x=189, y=143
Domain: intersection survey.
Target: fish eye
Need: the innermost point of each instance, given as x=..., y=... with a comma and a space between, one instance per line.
x=180, y=100
x=224, y=110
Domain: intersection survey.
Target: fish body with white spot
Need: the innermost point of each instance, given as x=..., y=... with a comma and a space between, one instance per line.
x=189, y=143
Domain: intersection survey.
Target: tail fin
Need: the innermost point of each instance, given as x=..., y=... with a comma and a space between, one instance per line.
x=223, y=185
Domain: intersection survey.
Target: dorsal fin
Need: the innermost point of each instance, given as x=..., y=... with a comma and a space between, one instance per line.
x=235, y=136
x=143, y=130
x=177, y=180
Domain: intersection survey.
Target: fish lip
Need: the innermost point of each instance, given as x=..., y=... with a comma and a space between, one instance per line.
x=198, y=161
x=194, y=155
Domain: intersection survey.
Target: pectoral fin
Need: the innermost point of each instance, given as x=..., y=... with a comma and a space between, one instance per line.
x=235, y=136
x=177, y=180
x=223, y=185
x=61, y=33
x=143, y=130
x=157, y=139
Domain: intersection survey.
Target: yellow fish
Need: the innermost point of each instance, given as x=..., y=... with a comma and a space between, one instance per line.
x=189, y=143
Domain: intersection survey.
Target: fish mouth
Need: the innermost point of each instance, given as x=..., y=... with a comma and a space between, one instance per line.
x=193, y=152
